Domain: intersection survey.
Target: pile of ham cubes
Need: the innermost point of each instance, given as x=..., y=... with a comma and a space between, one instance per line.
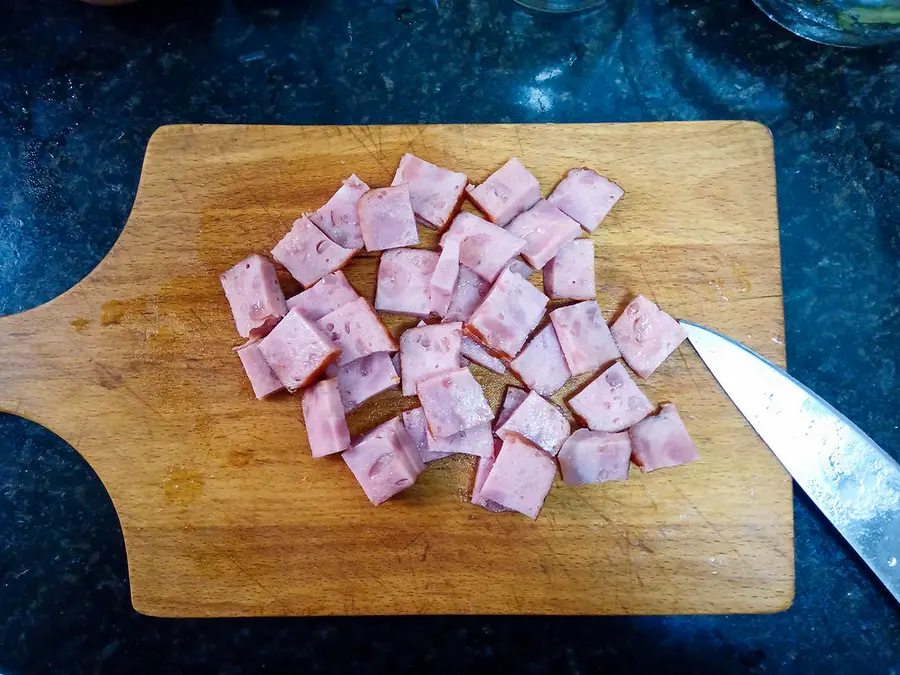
x=329, y=343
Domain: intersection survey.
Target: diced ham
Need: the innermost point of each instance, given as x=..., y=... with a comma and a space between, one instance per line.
x=510, y=311
x=589, y=457
x=485, y=464
x=338, y=218
x=330, y=292
x=545, y=230
x=662, y=441
x=469, y=292
x=586, y=196
x=404, y=281
x=541, y=365
x=427, y=351
x=507, y=192
x=520, y=478
x=484, y=248
x=435, y=192
x=414, y=421
x=308, y=254
x=514, y=396
x=584, y=337
x=443, y=281
x=257, y=301
x=262, y=379
x=570, y=274
x=297, y=351
x=453, y=402
x=473, y=351
x=385, y=461
x=357, y=330
x=323, y=416
x=521, y=267
x=386, y=218
x=646, y=335
x=539, y=421
x=360, y=380
x=611, y=402
x=478, y=441
x=395, y=359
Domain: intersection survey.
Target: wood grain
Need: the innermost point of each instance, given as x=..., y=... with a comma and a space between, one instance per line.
x=225, y=513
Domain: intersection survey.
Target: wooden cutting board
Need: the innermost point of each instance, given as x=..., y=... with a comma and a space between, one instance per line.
x=225, y=513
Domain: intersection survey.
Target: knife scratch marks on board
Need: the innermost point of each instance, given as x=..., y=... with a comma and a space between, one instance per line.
x=519, y=141
x=706, y=520
x=374, y=152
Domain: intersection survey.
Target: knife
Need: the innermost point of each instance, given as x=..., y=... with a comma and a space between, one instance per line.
x=854, y=482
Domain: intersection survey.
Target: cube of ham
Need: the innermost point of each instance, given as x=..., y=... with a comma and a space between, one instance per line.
x=429, y=350
x=326, y=295
x=386, y=218
x=586, y=196
x=469, y=292
x=541, y=365
x=545, y=230
x=323, y=416
x=514, y=396
x=453, y=402
x=308, y=254
x=478, y=441
x=485, y=464
x=484, y=248
x=357, y=330
x=521, y=267
x=414, y=421
x=385, y=461
x=360, y=380
x=443, y=281
x=256, y=300
x=298, y=351
x=662, y=441
x=338, y=218
x=539, y=421
x=507, y=192
x=611, y=402
x=510, y=311
x=584, y=337
x=570, y=274
x=435, y=192
x=520, y=478
x=646, y=335
x=404, y=281
x=262, y=379
x=474, y=352
x=590, y=457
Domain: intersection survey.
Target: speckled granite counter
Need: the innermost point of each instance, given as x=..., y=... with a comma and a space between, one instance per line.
x=81, y=90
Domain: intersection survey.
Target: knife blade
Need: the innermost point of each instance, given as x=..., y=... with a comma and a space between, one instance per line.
x=853, y=481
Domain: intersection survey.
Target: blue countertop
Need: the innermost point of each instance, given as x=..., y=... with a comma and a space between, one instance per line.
x=81, y=90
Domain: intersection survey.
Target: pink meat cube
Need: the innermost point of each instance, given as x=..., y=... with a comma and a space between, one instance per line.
x=514, y=396
x=414, y=421
x=326, y=295
x=584, y=337
x=427, y=351
x=545, y=230
x=475, y=353
x=357, y=330
x=262, y=379
x=611, y=402
x=512, y=309
x=453, y=402
x=297, y=351
x=589, y=457
x=323, y=416
x=571, y=273
x=385, y=461
x=507, y=192
x=469, y=292
x=485, y=464
x=435, y=192
x=662, y=441
x=443, y=281
x=484, y=248
x=586, y=196
x=646, y=335
x=520, y=478
x=404, y=281
x=539, y=421
x=541, y=365
x=256, y=299
x=521, y=267
x=478, y=441
x=386, y=218
x=308, y=254
x=360, y=380
x=338, y=218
